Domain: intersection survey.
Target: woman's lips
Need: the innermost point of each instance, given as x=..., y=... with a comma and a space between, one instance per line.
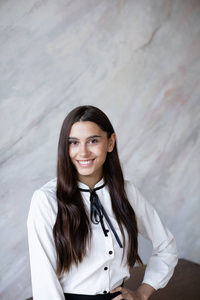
x=85, y=163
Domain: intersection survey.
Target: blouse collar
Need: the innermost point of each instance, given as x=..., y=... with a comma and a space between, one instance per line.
x=84, y=186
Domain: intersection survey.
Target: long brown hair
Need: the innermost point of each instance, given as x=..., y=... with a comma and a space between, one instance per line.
x=72, y=229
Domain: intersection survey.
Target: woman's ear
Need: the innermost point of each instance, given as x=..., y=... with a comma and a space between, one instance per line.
x=111, y=142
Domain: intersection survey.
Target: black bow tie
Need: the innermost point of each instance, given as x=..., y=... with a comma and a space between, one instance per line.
x=97, y=212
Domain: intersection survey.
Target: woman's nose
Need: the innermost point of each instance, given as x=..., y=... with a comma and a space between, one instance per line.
x=84, y=151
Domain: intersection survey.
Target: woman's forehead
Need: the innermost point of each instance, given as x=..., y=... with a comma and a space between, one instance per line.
x=86, y=128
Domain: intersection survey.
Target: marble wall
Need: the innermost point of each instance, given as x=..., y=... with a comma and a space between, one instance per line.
x=139, y=61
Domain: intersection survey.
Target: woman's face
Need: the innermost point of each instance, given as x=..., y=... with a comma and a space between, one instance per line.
x=88, y=147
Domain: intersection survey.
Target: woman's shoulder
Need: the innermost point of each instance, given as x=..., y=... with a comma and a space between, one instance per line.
x=134, y=195
x=49, y=188
x=137, y=199
x=129, y=186
x=43, y=207
x=46, y=195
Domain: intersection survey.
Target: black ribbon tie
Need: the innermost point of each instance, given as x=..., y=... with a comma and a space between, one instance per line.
x=97, y=212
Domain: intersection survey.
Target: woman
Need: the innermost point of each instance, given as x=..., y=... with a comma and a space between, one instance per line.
x=83, y=226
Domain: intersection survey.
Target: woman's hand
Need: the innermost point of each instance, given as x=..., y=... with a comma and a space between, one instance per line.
x=142, y=293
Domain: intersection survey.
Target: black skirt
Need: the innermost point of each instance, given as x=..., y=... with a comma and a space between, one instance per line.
x=107, y=296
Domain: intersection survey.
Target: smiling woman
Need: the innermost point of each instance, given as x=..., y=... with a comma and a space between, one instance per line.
x=83, y=225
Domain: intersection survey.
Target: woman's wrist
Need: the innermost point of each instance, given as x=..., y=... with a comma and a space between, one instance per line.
x=145, y=290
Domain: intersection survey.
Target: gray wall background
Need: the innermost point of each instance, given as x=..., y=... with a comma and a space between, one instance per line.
x=136, y=60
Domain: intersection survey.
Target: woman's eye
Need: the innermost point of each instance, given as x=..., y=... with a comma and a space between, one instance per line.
x=73, y=143
x=93, y=141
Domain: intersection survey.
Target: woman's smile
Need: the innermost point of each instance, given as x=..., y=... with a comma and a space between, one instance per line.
x=85, y=163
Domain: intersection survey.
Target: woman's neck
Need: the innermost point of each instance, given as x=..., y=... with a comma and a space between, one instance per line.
x=90, y=182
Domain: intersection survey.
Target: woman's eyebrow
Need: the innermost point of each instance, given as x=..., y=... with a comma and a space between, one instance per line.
x=72, y=138
x=94, y=136
x=89, y=137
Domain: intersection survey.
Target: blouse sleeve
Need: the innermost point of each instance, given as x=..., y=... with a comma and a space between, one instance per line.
x=164, y=257
x=45, y=283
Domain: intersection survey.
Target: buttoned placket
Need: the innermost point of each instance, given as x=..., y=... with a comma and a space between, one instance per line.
x=109, y=247
x=108, y=244
x=110, y=254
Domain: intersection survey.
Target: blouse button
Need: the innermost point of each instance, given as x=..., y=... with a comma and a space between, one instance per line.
x=106, y=268
x=110, y=252
x=105, y=292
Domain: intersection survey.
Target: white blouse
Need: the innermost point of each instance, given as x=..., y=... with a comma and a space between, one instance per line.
x=104, y=267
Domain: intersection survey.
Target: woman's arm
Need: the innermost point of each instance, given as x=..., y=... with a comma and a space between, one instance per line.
x=45, y=283
x=164, y=256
